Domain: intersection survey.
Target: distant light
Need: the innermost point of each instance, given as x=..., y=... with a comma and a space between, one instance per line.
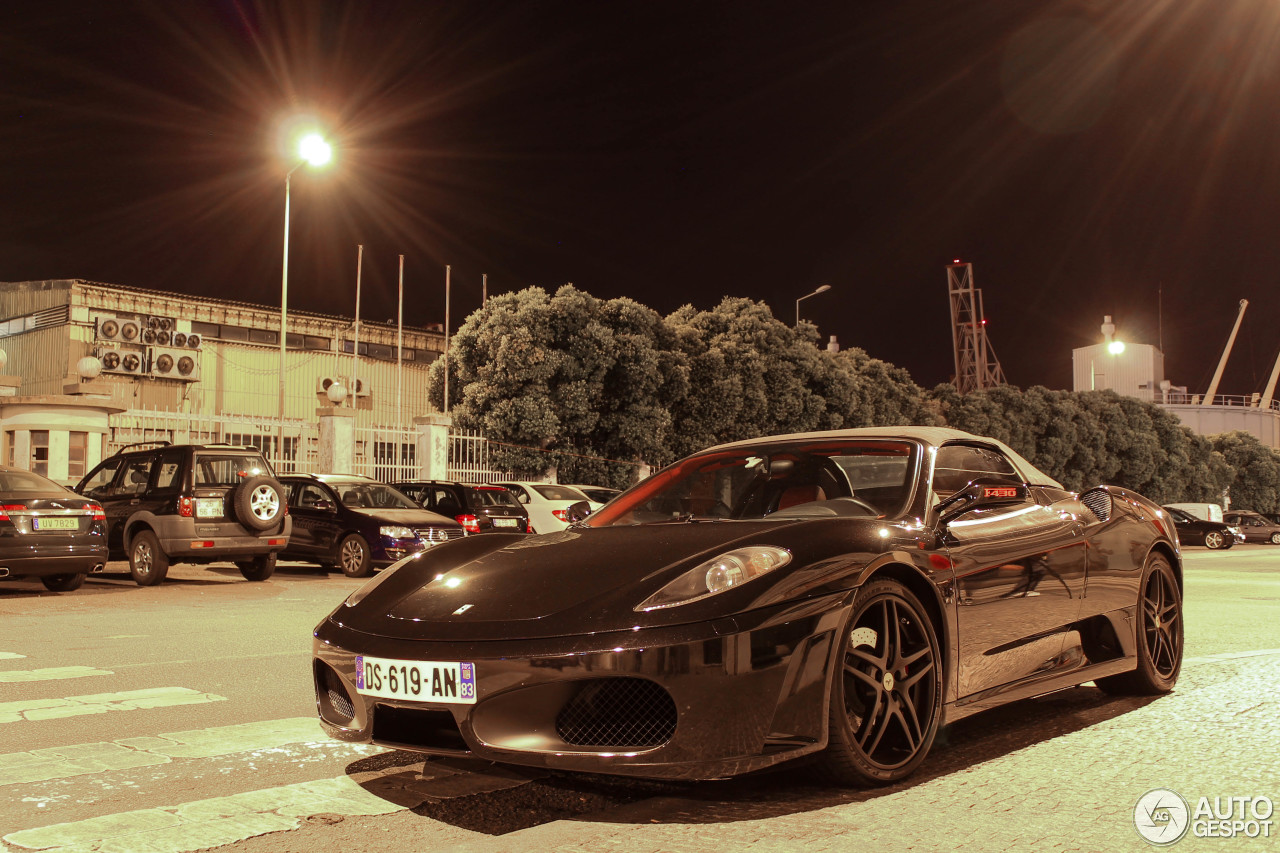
x=1115, y=347
x=314, y=149
x=955, y=260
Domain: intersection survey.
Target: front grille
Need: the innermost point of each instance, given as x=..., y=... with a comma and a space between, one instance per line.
x=1099, y=502
x=618, y=712
x=439, y=534
x=417, y=727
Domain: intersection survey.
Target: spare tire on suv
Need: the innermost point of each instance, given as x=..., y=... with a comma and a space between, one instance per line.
x=191, y=503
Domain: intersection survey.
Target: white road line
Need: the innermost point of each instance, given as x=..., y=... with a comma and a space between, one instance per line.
x=55, y=673
x=100, y=703
x=61, y=762
x=217, y=821
x=10, y=656
x=1225, y=656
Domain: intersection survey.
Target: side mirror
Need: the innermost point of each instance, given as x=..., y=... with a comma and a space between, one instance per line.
x=982, y=492
x=577, y=512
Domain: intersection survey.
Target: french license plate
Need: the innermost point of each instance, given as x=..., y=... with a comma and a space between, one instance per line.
x=418, y=680
x=208, y=507
x=55, y=523
x=506, y=522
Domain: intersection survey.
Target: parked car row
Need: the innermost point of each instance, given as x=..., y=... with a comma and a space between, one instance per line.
x=155, y=504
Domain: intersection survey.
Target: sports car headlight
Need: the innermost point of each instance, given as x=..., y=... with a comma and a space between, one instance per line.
x=392, y=531
x=733, y=568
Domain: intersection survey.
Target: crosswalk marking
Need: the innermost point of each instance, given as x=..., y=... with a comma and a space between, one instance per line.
x=61, y=762
x=54, y=673
x=100, y=703
x=213, y=822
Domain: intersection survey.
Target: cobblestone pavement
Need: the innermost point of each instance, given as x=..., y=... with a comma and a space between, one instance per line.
x=1216, y=735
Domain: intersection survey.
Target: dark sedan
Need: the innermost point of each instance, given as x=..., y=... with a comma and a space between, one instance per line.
x=479, y=509
x=1215, y=535
x=357, y=523
x=840, y=595
x=1254, y=526
x=48, y=531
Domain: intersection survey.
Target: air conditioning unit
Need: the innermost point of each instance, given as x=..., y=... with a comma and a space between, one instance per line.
x=174, y=363
x=360, y=387
x=324, y=382
x=126, y=330
x=120, y=360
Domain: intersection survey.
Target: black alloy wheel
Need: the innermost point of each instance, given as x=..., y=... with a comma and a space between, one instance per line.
x=1214, y=540
x=886, y=695
x=353, y=556
x=148, y=563
x=259, y=568
x=1159, y=637
x=62, y=583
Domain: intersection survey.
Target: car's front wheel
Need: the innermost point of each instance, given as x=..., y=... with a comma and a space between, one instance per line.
x=62, y=583
x=259, y=568
x=353, y=556
x=1159, y=635
x=1275, y=538
x=886, y=693
x=148, y=563
x=1215, y=540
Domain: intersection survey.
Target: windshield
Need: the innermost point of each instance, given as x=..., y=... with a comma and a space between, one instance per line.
x=820, y=478
x=372, y=496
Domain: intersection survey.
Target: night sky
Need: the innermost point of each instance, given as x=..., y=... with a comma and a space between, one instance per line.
x=1089, y=157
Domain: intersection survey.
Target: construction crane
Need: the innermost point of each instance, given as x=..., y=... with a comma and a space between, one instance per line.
x=976, y=364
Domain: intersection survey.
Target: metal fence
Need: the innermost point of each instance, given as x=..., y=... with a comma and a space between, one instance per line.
x=389, y=455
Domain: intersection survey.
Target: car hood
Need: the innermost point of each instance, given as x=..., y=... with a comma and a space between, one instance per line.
x=576, y=581
x=406, y=517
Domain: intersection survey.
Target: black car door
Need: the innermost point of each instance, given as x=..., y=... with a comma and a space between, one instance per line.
x=101, y=485
x=1020, y=573
x=315, y=519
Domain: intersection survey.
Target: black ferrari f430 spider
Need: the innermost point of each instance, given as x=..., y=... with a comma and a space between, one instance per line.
x=838, y=595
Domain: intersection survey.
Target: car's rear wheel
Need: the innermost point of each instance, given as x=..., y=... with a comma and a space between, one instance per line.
x=886, y=692
x=62, y=583
x=259, y=568
x=259, y=503
x=1159, y=638
x=353, y=556
x=1275, y=538
x=1215, y=540
x=148, y=563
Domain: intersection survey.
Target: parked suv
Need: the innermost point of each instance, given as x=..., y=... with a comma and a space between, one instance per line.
x=1254, y=526
x=479, y=509
x=190, y=503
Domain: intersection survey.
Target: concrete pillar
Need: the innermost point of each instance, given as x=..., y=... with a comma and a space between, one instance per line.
x=433, y=446
x=337, y=451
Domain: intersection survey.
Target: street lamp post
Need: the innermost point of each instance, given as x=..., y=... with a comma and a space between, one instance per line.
x=314, y=151
x=823, y=289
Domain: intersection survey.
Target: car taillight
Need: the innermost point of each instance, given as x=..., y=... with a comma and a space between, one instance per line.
x=560, y=514
x=469, y=523
x=98, y=514
x=8, y=508
x=529, y=527
x=186, y=506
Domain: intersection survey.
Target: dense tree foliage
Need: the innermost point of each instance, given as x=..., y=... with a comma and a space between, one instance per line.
x=594, y=388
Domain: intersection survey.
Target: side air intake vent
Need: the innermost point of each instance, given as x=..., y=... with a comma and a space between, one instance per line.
x=1099, y=502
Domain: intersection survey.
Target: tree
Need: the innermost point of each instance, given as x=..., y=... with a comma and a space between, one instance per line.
x=1256, y=470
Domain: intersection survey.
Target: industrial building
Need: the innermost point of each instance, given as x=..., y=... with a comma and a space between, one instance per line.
x=93, y=366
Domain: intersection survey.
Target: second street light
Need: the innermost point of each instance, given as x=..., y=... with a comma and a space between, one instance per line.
x=314, y=151
x=822, y=289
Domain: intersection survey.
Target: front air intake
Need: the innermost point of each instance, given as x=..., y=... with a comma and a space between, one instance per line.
x=620, y=713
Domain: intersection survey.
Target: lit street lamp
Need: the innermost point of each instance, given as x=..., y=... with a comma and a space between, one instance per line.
x=823, y=289
x=313, y=151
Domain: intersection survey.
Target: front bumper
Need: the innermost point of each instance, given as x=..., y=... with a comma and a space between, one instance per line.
x=702, y=701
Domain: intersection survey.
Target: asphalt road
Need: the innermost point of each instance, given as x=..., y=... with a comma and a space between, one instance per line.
x=181, y=717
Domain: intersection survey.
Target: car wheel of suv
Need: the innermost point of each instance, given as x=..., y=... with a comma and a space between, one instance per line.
x=1214, y=540
x=259, y=503
x=148, y=563
x=259, y=568
x=353, y=557
x=62, y=583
